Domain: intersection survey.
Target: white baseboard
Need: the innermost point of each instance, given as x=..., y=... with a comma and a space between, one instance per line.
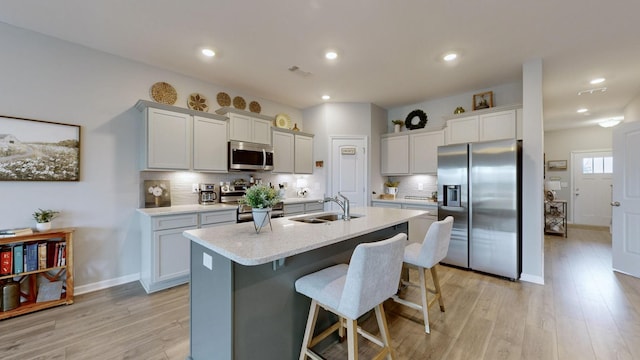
x=532, y=278
x=106, y=284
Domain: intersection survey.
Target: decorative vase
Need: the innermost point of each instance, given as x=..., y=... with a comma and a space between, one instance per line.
x=261, y=217
x=157, y=201
x=46, y=226
x=396, y=128
x=392, y=190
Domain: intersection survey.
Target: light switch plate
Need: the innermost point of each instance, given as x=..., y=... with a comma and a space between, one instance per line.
x=420, y=186
x=207, y=261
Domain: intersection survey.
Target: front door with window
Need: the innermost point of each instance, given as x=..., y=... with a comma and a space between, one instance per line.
x=592, y=177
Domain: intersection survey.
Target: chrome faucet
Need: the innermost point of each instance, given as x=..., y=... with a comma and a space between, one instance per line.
x=344, y=205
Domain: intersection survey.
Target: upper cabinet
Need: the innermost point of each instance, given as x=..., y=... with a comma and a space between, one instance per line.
x=484, y=125
x=423, y=151
x=247, y=126
x=394, y=155
x=292, y=152
x=182, y=139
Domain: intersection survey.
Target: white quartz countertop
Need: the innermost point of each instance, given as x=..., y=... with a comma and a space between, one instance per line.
x=241, y=243
x=408, y=201
x=182, y=209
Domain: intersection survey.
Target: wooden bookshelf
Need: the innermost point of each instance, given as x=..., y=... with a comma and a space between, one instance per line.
x=28, y=280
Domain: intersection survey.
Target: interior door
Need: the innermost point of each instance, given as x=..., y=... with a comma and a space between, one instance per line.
x=592, y=180
x=626, y=199
x=348, y=170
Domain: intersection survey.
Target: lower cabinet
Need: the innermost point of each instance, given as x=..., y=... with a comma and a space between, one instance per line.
x=303, y=208
x=165, y=258
x=417, y=226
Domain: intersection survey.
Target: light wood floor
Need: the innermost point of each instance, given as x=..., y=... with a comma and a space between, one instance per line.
x=585, y=311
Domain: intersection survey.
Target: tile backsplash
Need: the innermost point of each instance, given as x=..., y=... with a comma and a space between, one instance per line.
x=416, y=185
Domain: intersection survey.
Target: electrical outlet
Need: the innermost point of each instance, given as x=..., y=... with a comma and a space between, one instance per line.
x=420, y=186
x=195, y=188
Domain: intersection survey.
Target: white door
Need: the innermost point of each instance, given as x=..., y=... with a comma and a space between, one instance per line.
x=348, y=170
x=592, y=180
x=626, y=199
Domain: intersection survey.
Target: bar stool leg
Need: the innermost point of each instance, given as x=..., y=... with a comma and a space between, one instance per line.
x=384, y=331
x=436, y=283
x=308, y=332
x=423, y=297
x=352, y=338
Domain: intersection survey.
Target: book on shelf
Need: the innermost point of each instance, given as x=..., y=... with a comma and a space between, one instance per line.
x=42, y=256
x=15, y=232
x=6, y=256
x=18, y=258
x=31, y=257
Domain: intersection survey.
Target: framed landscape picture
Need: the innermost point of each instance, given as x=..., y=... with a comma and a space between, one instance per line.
x=35, y=150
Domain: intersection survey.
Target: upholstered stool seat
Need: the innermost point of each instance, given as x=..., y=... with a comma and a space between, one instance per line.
x=425, y=256
x=350, y=291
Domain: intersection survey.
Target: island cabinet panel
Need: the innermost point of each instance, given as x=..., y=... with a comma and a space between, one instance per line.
x=253, y=312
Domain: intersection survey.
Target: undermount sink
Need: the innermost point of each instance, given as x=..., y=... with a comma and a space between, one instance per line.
x=321, y=218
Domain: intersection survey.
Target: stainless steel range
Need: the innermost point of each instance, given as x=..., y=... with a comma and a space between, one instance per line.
x=231, y=194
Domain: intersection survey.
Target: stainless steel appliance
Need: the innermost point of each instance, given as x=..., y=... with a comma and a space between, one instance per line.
x=208, y=194
x=231, y=194
x=250, y=156
x=481, y=188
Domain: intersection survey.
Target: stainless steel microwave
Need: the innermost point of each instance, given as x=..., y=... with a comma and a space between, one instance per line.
x=250, y=156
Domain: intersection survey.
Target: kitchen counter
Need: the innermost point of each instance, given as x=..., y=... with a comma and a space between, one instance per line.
x=241, y=244
x=183, y=209
x=242, y=297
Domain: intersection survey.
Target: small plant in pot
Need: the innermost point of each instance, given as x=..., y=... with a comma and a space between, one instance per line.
x=397, y=125
x=261, y=198
x=392, y=187
x=43, y=218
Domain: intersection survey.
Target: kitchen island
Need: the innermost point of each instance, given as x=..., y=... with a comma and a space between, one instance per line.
x=242, y=295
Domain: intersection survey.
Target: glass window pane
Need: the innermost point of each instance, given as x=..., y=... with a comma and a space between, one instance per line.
x=598, y=165
x=608, y=165
x=587, y=166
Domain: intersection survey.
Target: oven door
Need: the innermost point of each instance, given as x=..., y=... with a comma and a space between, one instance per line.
x=250, y=156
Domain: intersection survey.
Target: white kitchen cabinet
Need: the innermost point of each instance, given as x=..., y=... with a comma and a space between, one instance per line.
x=423, y=152
x=182, y=139
x=315, y=206
x=497, y=126
x=386, y=204
x=293, y=209
x=292, y=152
x=283, y=152
x=303, y=207
x=419, y=226
x=485, y=125
x=394, y=155
x=249, y=128
x=209, y=144
x=168, y=139
x=165, y=251
x=462, y=130
x=303, y=159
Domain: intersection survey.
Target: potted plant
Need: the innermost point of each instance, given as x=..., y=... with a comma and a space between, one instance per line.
x=397, y=125
x=392, y=187
x=43, y=218
x=261, y=198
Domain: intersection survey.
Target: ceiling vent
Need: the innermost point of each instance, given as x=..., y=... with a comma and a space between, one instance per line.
x=592, y=91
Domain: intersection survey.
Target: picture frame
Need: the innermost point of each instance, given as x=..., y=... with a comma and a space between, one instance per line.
x=38, y=150
x=157, y=193
x=483, y=100
x=554, y=165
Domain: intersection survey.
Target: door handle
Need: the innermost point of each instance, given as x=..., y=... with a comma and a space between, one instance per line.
x=615, y=203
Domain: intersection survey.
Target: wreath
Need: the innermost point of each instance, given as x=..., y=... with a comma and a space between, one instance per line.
x=408, y=123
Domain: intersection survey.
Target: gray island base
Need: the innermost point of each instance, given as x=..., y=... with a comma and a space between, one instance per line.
x=241, y=311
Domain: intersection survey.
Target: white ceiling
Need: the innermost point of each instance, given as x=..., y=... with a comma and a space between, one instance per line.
x=389, y=50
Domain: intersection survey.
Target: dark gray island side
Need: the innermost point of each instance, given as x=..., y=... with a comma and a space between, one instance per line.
x=242, y=295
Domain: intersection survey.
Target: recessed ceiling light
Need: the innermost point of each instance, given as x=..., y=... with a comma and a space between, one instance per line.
x=597, y=81
x=208, y=52
x=583, y=110
x=326, y=97
x=331, y=55
x=450, y=57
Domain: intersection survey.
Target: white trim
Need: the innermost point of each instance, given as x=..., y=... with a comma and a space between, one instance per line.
x=106, y=284
x=532, y=278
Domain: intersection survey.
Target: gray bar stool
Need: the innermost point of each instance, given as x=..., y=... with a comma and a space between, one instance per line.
x=425, y=257
x=350, y=291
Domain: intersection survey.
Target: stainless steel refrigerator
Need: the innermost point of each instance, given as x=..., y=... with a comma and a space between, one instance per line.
x=480, y=184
